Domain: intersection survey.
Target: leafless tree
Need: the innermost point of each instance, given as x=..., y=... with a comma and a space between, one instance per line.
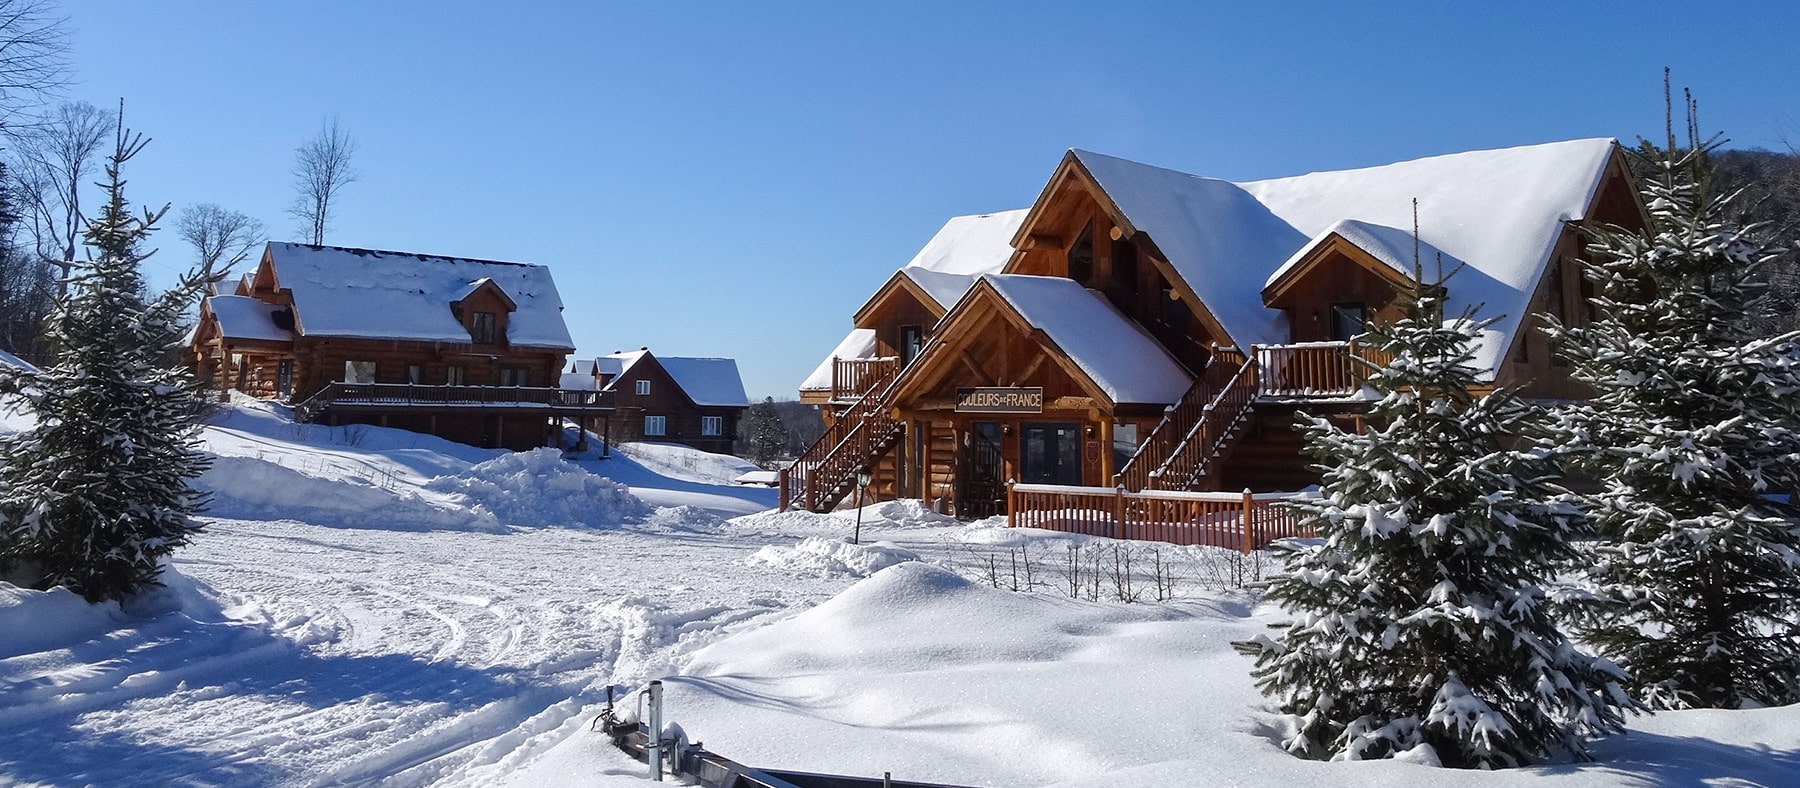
x=57, y=157
x=219, y=234
x=321, y=169
x=34, y=41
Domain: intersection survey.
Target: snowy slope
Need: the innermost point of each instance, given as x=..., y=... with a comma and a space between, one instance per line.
x=314, y=649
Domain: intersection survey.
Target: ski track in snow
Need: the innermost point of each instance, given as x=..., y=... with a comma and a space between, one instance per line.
x=362, y=655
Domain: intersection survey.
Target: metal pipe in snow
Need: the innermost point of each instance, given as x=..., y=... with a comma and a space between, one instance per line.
x=653, y=748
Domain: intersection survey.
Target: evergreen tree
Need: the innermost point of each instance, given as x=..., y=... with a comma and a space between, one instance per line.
x=97, y=494
x=1693, y=424
x=765, y=432
x=1421, y=619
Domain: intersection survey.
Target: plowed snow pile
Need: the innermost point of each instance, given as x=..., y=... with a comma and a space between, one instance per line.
x=536, y=488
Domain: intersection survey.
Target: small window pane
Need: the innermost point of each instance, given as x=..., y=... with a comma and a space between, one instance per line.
x=1347, y=321
x=359, y=372
x=415, y=373
x=1081, y=255
x=712, y=425
x=1124, y=264
x=481, y=328
x=454, y=376
x=643, y=388
x=655, y=425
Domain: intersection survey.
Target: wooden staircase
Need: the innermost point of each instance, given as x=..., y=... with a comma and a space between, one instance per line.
x=1187, y=447
x=826, y=471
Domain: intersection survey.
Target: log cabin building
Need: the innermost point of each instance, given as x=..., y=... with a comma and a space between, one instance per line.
x=1138, y=328
x=675, y=399
x=468, y=350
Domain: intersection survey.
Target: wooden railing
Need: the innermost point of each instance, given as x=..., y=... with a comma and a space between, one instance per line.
x=824, y=472
x=1178, y=420
x=1224, y=416
x=1316, y=369
x=402, y=394
x=852, y=378
x=1237, y=521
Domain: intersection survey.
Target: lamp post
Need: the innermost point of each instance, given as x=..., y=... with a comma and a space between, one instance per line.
x=863, y=477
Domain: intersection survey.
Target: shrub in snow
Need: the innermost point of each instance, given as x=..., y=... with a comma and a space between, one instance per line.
x=1691, y=427
x=1421, y=620
x=538, y=488
x=96, y=493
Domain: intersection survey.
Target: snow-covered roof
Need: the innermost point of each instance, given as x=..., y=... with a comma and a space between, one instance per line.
x=959, y=253
x=578, y=381
x=616, y=364
x=969, y=245
x=1499, y=211
x=1115, y=352
x=15, y=362
x=709, y=382
x=341, y=292
x=1392, y=246
x=859, y=343
x=243, y=317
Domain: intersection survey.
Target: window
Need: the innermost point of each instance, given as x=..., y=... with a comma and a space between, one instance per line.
x=481, y=328
x=1124, y=264
x=1348, y=320
x=656, y=425
x=515, y=376
x=643, y=390
x=455, y=376
x=415, y=374
x=1175, y=314
x=911, y=339
x=712, y=425
x=1081, y=255
x=1555, y=292
x=359, y=372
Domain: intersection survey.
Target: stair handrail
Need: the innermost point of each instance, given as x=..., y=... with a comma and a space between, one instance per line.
x=1177, y=420
x=1190, y=460
x=814, y=465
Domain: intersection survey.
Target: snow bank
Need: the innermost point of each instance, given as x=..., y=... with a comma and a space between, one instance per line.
x=818, y=556
x=246, y=488
x=687, y=463
x=537, y=488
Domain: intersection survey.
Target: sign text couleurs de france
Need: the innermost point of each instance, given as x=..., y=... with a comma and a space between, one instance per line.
x=1000, y=400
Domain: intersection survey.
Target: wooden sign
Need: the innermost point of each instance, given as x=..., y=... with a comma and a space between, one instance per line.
x=1000, y=400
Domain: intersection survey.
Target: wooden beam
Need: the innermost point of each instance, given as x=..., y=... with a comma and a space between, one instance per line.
x=1042, y=241
x=974, y=369
x=1030, y=369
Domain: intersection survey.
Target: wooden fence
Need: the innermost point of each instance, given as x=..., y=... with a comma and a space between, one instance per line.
x=1237, y=521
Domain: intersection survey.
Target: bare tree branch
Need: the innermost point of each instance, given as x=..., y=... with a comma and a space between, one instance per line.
x=57, y=155
x=321, y=169
x=219, y=234
x=34, y=42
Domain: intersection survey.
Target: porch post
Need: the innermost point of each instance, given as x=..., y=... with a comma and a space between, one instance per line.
x=1012, y=505
x=1118, y=511
x=1248, y=501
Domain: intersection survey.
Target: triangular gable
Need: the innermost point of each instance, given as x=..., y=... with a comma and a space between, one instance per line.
x=1105, y=353
x=488, y=285
x=897, y=286
x=1386, y=252
x=1073, y=177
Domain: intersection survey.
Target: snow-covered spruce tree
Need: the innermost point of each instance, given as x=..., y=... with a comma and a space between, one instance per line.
x=97, y=494
x=1692, y=426
x=1421, y=619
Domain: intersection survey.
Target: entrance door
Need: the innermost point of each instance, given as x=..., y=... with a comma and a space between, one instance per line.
x=982, y=488
x=1050, y=453
x=284, y=378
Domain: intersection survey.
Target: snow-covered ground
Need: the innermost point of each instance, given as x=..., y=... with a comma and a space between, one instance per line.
x=375, y=606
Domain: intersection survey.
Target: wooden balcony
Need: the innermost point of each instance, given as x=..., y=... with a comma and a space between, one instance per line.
x=851, y=378
x=1315, y=370
x=400, y=397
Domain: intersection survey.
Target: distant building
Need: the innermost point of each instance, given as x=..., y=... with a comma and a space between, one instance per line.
x=674, y=399
x=469, y=350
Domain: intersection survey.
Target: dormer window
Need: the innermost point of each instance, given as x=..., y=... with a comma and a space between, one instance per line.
x=481, y=328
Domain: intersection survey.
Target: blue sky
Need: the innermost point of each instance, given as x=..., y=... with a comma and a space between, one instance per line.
x=733, y=179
